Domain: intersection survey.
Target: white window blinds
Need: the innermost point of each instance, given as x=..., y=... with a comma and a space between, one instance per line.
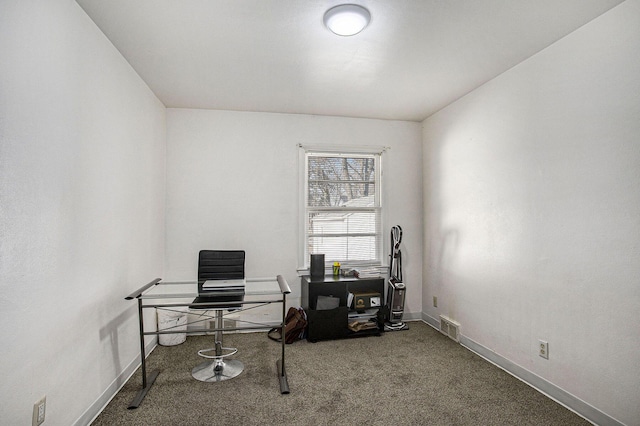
x=343, y=207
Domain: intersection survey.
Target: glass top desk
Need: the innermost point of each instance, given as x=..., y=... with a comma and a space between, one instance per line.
x=180, y=294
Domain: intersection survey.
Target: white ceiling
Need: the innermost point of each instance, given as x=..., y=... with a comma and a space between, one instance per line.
x=415, y=57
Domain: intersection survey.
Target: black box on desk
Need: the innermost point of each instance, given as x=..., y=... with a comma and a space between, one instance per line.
x=366, y=300
x=327, y=324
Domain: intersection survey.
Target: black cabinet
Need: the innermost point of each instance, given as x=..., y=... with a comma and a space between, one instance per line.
x=331, y=322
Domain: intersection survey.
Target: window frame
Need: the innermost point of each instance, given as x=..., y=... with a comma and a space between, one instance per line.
x=308, y=151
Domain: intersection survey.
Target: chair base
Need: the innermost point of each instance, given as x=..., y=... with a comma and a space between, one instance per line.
x=217, y=370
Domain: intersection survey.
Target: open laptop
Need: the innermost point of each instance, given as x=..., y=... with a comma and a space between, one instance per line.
x=221, y=291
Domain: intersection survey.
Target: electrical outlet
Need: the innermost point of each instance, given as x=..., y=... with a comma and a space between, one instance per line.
x=39, y=409
x=543, y=349
x=435, y=301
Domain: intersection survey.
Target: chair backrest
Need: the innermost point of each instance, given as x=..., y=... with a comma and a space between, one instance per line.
x=220, y=265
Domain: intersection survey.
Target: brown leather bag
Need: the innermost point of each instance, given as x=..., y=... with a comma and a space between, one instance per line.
x=295, y=326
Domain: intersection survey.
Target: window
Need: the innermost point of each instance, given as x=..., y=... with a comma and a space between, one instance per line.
x=342, y=207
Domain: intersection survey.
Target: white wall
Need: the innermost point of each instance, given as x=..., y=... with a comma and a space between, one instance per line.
x=82, y=145
x=532, y=214
x=232, y=183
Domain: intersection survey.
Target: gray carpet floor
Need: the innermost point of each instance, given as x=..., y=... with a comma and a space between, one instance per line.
x=412, y=377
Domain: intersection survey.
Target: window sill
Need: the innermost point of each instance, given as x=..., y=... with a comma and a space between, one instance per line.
x=382, y=269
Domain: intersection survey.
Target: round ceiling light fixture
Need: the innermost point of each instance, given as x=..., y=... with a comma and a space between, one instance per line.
x=347, y=19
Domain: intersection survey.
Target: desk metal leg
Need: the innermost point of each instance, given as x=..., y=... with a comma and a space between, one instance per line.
x=146, y=383
x=135, y=403
x=282, y=376
x=282, y=372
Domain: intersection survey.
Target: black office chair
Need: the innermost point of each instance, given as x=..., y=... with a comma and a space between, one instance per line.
x=219, y=265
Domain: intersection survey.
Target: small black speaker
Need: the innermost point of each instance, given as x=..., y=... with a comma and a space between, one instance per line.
x=317, y=265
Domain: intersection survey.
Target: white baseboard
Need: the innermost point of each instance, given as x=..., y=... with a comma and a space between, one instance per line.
x=410, y=316
x=559, y=395
x=96, y=408
x=433, y=322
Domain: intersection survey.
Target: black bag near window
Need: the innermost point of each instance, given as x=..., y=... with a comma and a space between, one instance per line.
x=295, y=326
